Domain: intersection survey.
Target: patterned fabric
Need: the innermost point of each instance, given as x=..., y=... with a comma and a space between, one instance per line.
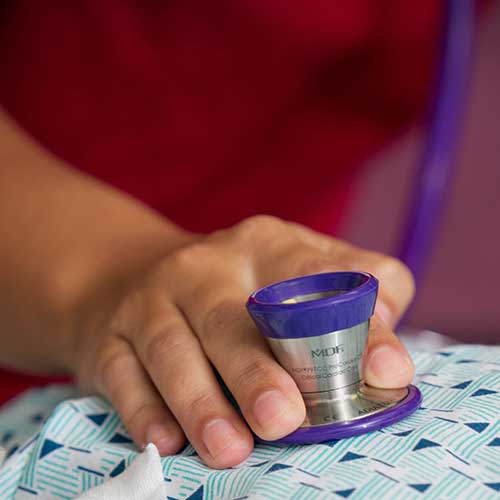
x=450, y=448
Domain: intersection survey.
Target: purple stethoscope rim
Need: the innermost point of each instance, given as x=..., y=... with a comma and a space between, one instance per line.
x=352, y=306
x=369, y=423
x=362, y=286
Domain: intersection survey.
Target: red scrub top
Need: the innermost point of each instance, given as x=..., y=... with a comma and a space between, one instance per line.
x=213, y=111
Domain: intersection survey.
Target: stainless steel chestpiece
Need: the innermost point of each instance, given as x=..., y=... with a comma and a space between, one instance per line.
x=317, y=327
x=327, y=370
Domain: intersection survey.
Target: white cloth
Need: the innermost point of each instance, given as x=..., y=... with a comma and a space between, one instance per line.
x=142, y=480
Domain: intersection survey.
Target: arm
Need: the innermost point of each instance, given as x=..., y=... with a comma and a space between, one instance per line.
x=94, y=284
x=62, y=235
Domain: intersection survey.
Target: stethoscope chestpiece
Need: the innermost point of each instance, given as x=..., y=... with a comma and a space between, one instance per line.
x=317, y=327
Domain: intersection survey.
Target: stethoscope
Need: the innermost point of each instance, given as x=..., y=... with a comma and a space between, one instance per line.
x=317, y=326
x=436, y=168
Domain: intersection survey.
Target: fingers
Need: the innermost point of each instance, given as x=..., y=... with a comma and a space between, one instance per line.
x=397, y=288
x=267, y=396
x=294, y=250
x=160, y=377
x=297, y=262
x=396, y=284
x=122, y=379
x=184, y=378
x=386, y=363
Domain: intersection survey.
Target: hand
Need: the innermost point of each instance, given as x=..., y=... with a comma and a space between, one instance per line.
x=152, y=347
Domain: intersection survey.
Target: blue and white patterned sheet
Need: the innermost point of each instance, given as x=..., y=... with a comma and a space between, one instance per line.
x=60, y=446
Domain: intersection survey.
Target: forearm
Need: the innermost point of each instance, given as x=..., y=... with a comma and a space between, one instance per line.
x=63, y=236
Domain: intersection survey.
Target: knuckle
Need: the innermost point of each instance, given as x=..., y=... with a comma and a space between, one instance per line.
x=258, y=226
x=315, y=264
x=111, y=371
x=200, y=405
x=254, y=374
x=390, y=268
x=140, y=416
x=165, y=343
x=223, y=315
x=188, y=257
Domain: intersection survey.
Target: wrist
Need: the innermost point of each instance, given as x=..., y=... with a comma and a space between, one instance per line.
x=84, y=287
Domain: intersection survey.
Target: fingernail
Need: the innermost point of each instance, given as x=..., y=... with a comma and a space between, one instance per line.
x=159, y=436
x=388, y=367
x=269, y=406
x=219, y=435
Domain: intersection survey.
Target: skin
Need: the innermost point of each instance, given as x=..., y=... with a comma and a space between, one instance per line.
x=96, y=285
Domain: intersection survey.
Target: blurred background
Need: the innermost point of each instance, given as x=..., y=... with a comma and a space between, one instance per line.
x=460, y=293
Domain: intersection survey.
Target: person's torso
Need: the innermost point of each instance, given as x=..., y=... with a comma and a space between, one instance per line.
x=224, y=108
x=214, y=111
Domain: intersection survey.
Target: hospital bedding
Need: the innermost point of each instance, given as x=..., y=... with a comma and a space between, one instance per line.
x=60, y=445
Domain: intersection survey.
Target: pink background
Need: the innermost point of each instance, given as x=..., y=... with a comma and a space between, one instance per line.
x=460, y=295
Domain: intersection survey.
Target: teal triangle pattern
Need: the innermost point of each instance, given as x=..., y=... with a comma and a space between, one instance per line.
x=403, y=433
x=260, y=464
x=422, y=487
x=38, y=418
x=98, y=418
x=477, y=426
x=49, y=446
x=351, y=456
x=425, y=443
x=12, y=451
x=493, y=486
x=7, y=437
x=197, y=495
x=118, y=469
x=120, y=438
x=345, y=493
x=77, y=432
x=331, y=443
x=276, y=467
x=483, y=392
x=462, y=385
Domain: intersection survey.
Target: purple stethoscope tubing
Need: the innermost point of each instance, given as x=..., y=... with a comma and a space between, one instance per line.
x=431, y=185
x=437, y=164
